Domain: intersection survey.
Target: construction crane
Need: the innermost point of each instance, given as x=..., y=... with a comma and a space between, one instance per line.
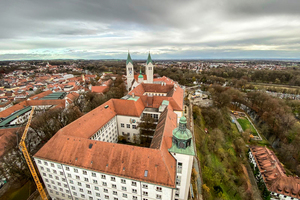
x=28, y=159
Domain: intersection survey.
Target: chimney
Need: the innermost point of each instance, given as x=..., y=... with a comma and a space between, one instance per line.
x=133, y=95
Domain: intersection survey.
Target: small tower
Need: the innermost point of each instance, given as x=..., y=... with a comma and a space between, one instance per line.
x=141, y=77
x=129, y=71
x=149, y=69
x=183, y=151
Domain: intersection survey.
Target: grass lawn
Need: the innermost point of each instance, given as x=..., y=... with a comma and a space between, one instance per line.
x=244, y=122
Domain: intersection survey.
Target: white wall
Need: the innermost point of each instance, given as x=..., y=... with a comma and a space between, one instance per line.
x=183, y=176
x=69, y=182
x=127, y=120
x=108, y=133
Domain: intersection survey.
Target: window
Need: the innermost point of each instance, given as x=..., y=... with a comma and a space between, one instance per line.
x=145, y=193
x=89, y=192
x=79, y=184
x=45, y=163
x=158, y=189
x=128, y=125
x=87, y=186
x=81, y=190
x=59, y=184
x=133, y=126
x=133, y=183
x=72, y=187
x=50, y=176
x=114, y=186
x=106, y=197
x=84, y=172
x=179, y=168
x=93, y=174
x=58, y=166
x=134, y=197
x=65, y=185
x=115, y=193
x=97, y=194
x=86, y=179
x=77, y=177
x=124, y=195
x=95, y=181
x=42, y=168
x=145, y=186
x=122, y=125
x=103, y=176
x=47, y=180
x=105, y=190
x=61, y=173
x=44, y=174
x=104, y=183
x=177, y=193
x=54, y=171
x=123, y=188
x=69, y=175
x=76, y=170
x=123, y=181
x=90, y=198
x=68, y=168
x=134, y=191
x=52, y=182
x=52, y=165
x=71, y=182
x=178, y=180
x=63, y=179
x=112, y=178
x=97, y=188
x=115, y=198
x=158, y=196
x=39, y=162
x=82, y=196
x=48, y=170
x=74, y=193
x=56, y=177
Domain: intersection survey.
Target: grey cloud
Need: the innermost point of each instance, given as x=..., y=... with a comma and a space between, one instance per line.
x=163, y=26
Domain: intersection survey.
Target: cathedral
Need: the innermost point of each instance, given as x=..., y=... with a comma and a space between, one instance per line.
x=134, y=80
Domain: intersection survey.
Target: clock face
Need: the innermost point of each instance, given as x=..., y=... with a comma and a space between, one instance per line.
x=130, y=72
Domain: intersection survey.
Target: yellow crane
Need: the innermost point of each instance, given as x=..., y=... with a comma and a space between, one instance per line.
x=28, y=159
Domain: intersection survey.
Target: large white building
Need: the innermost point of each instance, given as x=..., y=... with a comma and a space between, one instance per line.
x=84, y=161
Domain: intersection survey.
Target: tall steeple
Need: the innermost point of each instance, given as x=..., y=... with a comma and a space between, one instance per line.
x=129, y=71
x=128, y=59
x=149, y=69
x=149, y=60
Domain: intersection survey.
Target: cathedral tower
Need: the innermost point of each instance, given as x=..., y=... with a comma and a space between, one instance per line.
x=149, y=69
x=129, y=71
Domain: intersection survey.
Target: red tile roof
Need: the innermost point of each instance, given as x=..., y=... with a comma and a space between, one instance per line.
x=70, y=146
x=274, y=174
x=40, y=95
x=99, y=89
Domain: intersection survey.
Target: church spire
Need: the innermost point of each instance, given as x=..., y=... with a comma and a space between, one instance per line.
x=149, y=60
x=141, y=75
x=128, y=59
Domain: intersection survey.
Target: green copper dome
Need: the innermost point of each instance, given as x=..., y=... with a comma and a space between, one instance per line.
x=182, y=140
x=141, y=76
x=182, y=120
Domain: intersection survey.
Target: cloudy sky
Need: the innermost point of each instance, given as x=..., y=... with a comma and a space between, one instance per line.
x=170, y=29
